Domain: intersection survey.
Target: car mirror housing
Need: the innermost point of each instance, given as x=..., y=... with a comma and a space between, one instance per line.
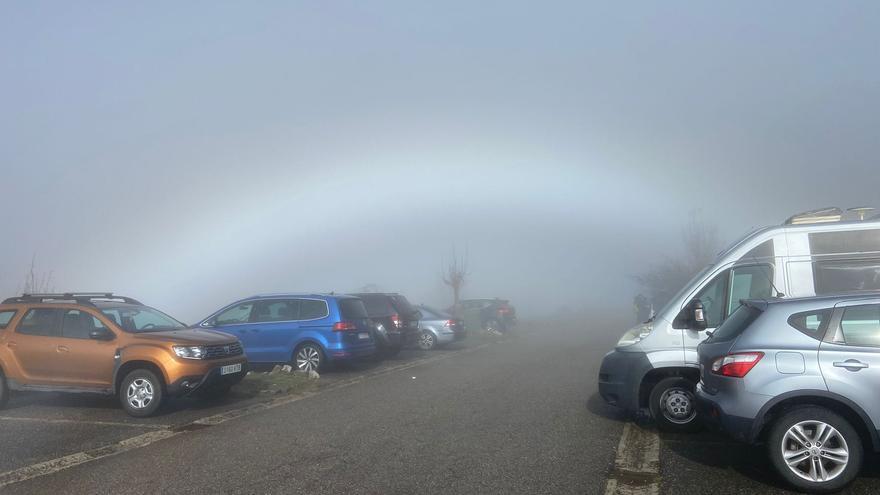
x=101, y=334
x=691, y=317
x=698, y=315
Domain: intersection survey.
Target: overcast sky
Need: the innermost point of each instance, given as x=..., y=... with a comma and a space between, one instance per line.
x=192, y=153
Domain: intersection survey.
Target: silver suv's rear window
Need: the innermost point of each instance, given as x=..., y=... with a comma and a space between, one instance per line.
x=736, y=324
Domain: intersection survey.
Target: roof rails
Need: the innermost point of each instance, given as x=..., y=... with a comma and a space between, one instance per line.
x=832, y=214
x=78, y=297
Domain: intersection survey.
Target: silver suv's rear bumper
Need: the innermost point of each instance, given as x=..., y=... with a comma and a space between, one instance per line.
x=736, y=414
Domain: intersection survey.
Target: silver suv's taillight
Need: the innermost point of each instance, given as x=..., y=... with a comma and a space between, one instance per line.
x=736, y=365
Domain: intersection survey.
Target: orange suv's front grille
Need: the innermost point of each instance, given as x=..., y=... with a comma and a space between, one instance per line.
x=222, y=350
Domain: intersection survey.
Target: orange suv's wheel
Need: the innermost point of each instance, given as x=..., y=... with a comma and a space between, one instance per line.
x=141, y=393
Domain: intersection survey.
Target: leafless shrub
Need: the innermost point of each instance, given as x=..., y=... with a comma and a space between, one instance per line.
x=699, y=247
x=35, y=281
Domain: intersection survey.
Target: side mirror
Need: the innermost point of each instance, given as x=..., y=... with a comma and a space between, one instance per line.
x=698, y=315
x=101, y=334
x=691, y=317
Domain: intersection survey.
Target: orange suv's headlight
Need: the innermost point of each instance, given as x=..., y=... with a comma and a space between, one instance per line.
x=189, y=352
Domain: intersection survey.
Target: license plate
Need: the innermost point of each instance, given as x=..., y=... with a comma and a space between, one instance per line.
x=232, y=368
x=363, y=335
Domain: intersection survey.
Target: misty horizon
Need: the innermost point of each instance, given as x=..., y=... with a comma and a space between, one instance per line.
x=193, y=155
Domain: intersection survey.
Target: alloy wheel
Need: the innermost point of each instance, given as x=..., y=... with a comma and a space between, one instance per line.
x=426, y=340
x=677, y=405
x=308, y=359
x=140, y=393
x=815, y=451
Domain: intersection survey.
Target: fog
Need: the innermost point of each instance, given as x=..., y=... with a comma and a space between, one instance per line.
x=192, y=154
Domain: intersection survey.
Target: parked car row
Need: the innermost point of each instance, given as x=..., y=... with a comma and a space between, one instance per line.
x=790, y=316
x=115, y=345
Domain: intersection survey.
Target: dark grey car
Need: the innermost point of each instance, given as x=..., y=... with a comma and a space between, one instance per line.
x=802, y=376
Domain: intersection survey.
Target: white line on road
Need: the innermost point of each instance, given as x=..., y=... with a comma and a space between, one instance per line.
x=143, y=426
x=140, y=441
x=68, y=461
x=637, y=465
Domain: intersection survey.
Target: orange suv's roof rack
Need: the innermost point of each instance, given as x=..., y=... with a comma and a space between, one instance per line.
x=78, y=297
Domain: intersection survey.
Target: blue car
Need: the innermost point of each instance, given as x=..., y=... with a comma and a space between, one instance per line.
x=307, y=331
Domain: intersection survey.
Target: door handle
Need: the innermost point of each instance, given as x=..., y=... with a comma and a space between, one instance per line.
x=62, y=348
x=11, y=345
x=851, y=364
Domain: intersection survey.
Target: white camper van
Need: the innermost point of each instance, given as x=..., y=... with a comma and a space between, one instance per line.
x=654, y=369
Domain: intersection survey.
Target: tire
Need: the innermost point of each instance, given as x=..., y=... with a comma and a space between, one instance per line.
x=813, y=420
x=141, y=393
x=309, y=357
x=426, y=341
x=4, y=391
x=673, y=405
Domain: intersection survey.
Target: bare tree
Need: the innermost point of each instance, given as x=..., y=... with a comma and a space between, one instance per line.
x=36, y=282
x=455, y=274
x=700, y=246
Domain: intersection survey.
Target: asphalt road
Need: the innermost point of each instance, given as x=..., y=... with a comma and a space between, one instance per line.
x=516, y=416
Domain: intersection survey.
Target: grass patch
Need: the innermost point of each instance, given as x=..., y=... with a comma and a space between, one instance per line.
x=257, y=383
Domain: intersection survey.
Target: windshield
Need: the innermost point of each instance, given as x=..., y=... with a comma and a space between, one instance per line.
x=138, y=319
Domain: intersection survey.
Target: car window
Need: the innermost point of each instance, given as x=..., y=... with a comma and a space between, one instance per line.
x=240, y=313
x=427, y=313
x=764, y=250
x=749, y=282
x=5, y=318
x=439, y=313
x=402, y=305
x=734, y=326
x=78, y=324
x=811, y=323
x=712, y=297
x=861, y=325
x=834, y=276
x=844, y=242
x=312, y=309
x=41, y=321
x=276, y=310
x=352, y=309
x=136, y=319
x=378, y=305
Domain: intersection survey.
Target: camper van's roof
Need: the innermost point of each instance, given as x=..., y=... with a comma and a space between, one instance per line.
x=834, y=214
x=825, y=219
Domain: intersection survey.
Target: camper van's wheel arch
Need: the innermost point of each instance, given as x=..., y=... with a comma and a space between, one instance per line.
x=668, y=393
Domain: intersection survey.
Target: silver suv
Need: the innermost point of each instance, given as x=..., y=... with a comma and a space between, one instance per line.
x=801, y=376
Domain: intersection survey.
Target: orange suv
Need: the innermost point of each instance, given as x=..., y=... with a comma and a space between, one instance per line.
x=101, y=343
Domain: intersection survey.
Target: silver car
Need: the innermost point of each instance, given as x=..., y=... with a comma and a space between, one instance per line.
x=438, y=328
x=802, y=376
